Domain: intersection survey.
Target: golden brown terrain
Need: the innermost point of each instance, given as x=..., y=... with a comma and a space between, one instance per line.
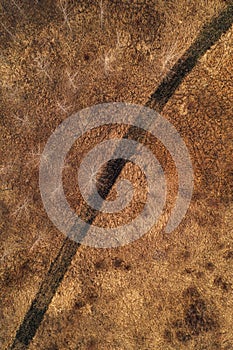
x=163, y=291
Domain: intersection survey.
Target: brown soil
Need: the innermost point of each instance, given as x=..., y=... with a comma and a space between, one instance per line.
x=164, y=291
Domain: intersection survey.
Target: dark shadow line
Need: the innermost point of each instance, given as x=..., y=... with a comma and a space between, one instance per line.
x=209, y=35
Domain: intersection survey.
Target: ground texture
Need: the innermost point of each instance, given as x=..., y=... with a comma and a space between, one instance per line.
x=164, y=291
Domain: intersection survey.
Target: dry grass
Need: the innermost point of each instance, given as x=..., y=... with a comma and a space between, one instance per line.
x=57, y=58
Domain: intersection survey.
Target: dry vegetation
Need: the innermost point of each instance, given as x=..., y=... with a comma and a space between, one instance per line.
x=165, y=292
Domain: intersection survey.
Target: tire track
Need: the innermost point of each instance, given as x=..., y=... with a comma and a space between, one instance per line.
x=209, y=35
